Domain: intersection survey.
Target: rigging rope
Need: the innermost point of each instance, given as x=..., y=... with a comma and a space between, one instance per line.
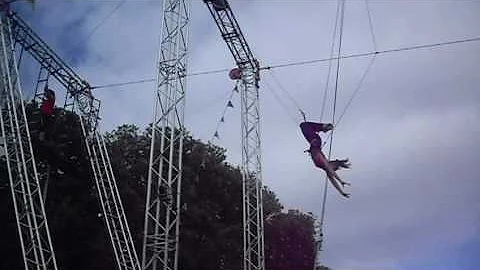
x=279, y=100
x=372, y=33
x=332, y=47
x=308, y=62
x=277, y=81
x=359, y=85
x=94, y=29
x=122, y=84
x=357, y=55
x=357, y=89
x=324, y=201
x=208, y=72
x=318, y=245
x=335, y=123
x=153, y=80
x=222, y=118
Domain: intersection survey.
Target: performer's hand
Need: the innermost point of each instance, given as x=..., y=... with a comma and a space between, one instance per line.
x=346, y=195
x=328, y=127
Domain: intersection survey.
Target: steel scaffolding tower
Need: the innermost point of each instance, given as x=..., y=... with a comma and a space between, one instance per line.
x=81, y=100
x=162, y=209
x=36, y=244
x=251, y=155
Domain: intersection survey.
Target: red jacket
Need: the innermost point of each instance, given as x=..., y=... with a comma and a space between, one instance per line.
x=47, y=106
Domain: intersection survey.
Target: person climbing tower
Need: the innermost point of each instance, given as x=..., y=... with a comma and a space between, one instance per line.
x=310, y=132
x=47, y=109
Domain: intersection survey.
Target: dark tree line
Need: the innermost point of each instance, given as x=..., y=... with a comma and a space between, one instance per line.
x=211, y=216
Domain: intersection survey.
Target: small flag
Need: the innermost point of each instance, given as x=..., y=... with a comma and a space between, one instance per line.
x=230, y=104
x=216, y=134
x=222, y=119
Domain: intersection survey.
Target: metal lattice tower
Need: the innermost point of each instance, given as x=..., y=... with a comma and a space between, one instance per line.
x=251, y=155
x=36, y=244
x=81, y=100
x=162, y=209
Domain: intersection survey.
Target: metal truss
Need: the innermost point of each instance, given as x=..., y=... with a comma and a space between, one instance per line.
x=80, y=99
x=36, y=244
x=162, y=209
x=117, y=226
x=251, y=155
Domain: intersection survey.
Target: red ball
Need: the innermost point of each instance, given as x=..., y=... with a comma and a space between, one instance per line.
x=235, y=74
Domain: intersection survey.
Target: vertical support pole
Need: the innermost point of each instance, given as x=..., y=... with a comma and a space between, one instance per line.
x=162, y=209
x=251, y=171
x=253, y=242
x=36, y=244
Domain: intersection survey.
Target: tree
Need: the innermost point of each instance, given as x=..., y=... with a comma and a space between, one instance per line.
x=211, y=213
x=77, y=232
x=289, y=241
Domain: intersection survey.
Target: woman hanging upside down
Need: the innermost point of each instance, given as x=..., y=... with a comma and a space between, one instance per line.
x=310, y=130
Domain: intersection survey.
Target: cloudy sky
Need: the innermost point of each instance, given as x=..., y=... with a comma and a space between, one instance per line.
x=412, y=131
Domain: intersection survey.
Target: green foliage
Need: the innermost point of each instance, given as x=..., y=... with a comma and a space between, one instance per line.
x=211, y=216
x=289, y=241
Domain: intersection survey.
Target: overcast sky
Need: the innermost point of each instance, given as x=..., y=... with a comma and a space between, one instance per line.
x=412, y=132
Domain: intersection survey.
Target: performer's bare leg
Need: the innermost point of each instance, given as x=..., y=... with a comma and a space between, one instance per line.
x=322, y=162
